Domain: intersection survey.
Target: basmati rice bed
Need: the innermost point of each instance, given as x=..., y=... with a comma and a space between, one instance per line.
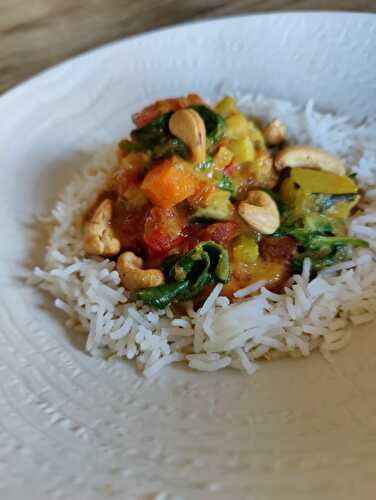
x=310, y=315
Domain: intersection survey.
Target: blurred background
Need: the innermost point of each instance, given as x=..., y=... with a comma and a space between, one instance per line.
x=35, y=34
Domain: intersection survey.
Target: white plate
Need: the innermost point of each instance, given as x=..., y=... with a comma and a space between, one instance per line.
x=77, y=428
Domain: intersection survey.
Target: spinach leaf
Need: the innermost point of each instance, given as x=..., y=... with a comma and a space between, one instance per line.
x=156, y=136
x=320, y=237
x=325, y=244
x=131, y=147
x=214, y=124
x=196, y=286
x=319, y=262
x=161, y=296
x=208, y=262
x=171, y=146
x=219, y=261
x=154, y=132
x=315, y=223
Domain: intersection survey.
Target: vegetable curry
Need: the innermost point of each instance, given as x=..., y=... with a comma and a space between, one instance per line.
x=203, y=195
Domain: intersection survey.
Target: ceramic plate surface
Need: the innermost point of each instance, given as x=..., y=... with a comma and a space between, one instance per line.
x=72, y=427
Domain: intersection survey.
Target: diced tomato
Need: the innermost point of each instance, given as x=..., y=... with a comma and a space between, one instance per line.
x=230, y=169
x=129, y=228
x=164, y=229
x=280, y=249
x=169, y=183
x=159, y=108
x=220, y=232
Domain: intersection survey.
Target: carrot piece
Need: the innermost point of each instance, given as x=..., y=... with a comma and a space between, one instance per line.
x=169, y=183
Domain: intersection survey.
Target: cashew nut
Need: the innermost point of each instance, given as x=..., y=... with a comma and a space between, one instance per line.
x=309, y=157
x=187, y=125
x=133, y=276
x=99, y=236
x=275, y=133
x=260, y=212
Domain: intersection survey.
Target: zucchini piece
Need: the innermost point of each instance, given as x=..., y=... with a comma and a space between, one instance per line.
x=335, y=205
x=296, y=190
x=217, y=207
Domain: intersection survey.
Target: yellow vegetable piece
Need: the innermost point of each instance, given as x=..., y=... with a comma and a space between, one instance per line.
x=243, y=149
x=236, y=126
x=297, y=189
x=217, y=206
x=245, y=250
x=256, y=135
x=226, y=106
x=135, y=197
x=223, y=157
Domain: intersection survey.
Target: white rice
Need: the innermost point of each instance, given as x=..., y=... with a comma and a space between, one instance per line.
x=310, y=315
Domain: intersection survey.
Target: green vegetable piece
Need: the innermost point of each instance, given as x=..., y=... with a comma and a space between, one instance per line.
x=189, y=274
x=161, y=296
x=324, y=244
x=226, y=184
x=156, y=136
x=214, y=124
x=195, y=287
x=336, y=205
x=169, y=262
x=154, y=132
x=219, y=260
x=131, y=147
x=217, y=206
x=315, y=223
x=324, y=202
x=171, y=146
x=190, y=265
x=300, y=189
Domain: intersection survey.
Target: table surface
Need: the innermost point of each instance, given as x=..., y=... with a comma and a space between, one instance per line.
x=38, y=33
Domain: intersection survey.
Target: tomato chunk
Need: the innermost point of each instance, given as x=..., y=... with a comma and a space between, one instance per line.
x=129, y=227
x=164, y=229
x=280, y=249
x=230, y=169
x=159, y=108
x=220, y=232
x=169, y=183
